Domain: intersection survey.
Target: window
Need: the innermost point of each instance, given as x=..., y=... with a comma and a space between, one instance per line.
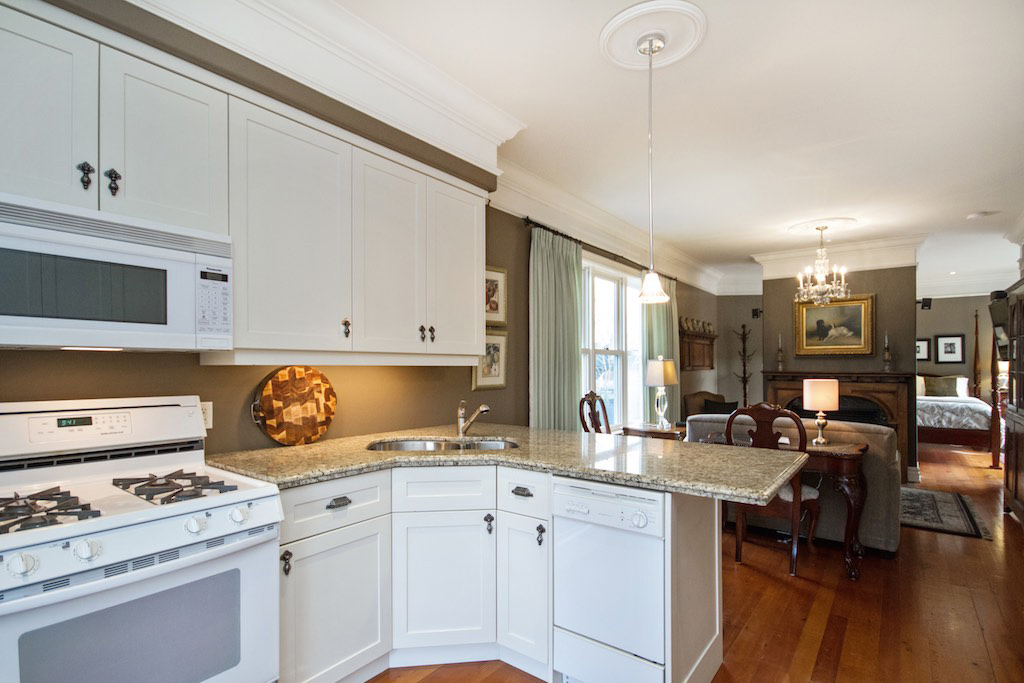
x=612, y=340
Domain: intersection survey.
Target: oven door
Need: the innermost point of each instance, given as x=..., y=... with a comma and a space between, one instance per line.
x=209, y=617
x=60, y=289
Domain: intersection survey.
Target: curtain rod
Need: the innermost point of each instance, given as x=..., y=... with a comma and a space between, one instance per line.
x=592, y=249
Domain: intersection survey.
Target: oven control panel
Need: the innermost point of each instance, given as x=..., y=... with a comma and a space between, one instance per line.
x=57, y=427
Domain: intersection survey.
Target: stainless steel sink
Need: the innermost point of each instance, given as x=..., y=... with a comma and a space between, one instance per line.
x=439, y=445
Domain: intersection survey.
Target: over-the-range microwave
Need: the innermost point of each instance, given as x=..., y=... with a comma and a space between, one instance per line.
x=77, y=278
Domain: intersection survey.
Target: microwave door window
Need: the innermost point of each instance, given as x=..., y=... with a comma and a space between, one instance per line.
x=51, y=286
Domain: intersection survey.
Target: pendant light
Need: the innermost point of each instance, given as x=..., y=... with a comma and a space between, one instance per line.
x=651, y=291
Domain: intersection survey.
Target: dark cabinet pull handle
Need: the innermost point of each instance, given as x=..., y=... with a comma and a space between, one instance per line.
x=489, y=518
x=339, y=502
x=286, y=557
x=540, y=534
x=348, y=327
x=431, y=329
x=113, y=186
x=86, y=168
x=522, y=491
x=423, y=333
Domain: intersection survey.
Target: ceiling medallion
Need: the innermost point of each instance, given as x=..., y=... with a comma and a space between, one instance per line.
x=818, y=288
x=682, y=25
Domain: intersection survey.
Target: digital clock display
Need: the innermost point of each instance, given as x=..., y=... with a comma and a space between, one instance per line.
x=74, y=421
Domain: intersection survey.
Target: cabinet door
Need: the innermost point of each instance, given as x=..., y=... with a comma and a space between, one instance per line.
x=167, y=136
x=291, y=228
x=455, y=270
x=388, y=255
x=48, y=111
x=444, y=578
x=523, y=623
x=336, y=602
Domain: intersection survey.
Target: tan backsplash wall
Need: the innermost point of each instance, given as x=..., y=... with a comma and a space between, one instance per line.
x=370, y=399
x=734, y=311
x=956, y=316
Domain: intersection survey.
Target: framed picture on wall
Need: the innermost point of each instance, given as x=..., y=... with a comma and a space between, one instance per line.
x=496, y=296
x=838, y=328
x=949, y=348
x=923, y=349
x=492, y=370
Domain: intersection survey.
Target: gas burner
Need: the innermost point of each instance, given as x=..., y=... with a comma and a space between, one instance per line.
x=172, y=487
x=45, y=508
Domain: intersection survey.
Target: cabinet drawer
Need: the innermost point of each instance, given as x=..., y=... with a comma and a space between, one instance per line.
x=429, y=489
x=524, y=492
x=316, y=508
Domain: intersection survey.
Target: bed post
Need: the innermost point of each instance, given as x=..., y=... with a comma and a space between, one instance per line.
x=976, y=389
x=994, y=422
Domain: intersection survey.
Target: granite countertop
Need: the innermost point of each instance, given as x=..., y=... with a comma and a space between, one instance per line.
x=743, y=475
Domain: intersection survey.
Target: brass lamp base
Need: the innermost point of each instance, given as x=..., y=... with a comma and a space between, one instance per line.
x=821, y=423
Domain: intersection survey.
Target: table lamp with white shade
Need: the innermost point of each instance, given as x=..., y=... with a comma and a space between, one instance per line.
x=821, y=395
x=661, y=373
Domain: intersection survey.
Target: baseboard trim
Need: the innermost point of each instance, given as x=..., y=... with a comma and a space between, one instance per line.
x=365, y=673
x=443, y=654
x=913, y=474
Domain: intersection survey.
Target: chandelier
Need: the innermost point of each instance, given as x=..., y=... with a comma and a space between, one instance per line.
x=821, y=284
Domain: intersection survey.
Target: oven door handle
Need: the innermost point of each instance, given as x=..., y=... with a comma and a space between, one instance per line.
x=72, y=592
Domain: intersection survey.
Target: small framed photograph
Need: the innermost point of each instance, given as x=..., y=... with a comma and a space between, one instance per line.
x=496, y=296
x=923, y=349
x=492, y=370
x=949, y=348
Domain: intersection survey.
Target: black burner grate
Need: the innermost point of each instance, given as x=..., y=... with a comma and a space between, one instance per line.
x=45, y=508
x=172, y=487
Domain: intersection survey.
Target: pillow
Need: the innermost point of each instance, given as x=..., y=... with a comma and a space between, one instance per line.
x=720, y=407
x=920, y=389
x=962, y=387
x=940, y=386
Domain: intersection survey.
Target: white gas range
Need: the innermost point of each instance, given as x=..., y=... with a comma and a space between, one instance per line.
x=123, y=557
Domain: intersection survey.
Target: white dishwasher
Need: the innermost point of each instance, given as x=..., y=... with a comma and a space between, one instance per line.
x=609, y=582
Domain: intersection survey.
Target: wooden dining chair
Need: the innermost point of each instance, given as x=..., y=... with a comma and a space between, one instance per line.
x=792, y=500
x=591, y=401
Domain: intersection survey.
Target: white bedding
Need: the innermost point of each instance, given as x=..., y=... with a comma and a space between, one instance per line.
x=953, y=412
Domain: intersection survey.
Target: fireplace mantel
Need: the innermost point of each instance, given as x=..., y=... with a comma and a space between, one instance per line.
x=892, y=391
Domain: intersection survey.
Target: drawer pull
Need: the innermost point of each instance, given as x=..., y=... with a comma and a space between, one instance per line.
x=286, y=557
x=86, y=168
x=540, y=534
x=339, y=502
x=348, y=326
x=522, y=491
x=489, y=518
x=114, y=177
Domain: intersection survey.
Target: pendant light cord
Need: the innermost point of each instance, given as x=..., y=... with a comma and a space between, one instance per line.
x=650, y=145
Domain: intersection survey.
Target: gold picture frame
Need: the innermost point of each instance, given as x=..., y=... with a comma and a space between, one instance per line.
x=838, y=328
x=491, y=372
x=496, y=296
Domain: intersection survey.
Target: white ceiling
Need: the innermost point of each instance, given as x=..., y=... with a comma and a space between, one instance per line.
x=906, y=115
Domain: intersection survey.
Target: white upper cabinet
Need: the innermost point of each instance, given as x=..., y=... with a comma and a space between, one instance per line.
x=291, y=226
x=48, y=111
x=388, y=255
x=455, y=270
x=166, y=136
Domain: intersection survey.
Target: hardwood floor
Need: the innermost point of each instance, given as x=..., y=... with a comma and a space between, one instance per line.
x=945, y=608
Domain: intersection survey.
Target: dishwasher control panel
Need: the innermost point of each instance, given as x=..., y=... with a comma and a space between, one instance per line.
x=620, y=507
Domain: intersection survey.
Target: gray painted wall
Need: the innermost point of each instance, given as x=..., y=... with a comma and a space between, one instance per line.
x=956, y=316
x=693, y=302
x=734, y=311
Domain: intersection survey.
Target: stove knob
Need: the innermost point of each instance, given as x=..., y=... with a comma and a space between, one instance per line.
x=22, y=564
x=239, y=515
x=639, y=520
x=87, y=550
x=195, y=525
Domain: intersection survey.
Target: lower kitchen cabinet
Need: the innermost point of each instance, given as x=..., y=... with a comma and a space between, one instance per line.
x=336, y=602
x=523, y=587
x=444, y=577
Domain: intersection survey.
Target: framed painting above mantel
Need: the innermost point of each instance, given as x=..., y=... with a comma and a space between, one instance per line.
x=838, y=328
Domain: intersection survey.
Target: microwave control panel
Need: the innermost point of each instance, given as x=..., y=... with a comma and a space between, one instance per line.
x=213, y=306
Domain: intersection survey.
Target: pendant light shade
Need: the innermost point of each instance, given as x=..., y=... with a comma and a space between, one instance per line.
x=651, y=291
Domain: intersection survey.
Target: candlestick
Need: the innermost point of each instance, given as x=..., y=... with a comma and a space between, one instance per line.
x=780, y=340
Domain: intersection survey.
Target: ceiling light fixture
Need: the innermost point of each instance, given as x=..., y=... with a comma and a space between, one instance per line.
x=651, y=291
x=818, y=288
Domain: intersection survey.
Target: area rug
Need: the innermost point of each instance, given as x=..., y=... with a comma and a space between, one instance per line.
x=948, y=513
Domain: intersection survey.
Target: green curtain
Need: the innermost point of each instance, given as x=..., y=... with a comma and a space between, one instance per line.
x=556, y=314
x=661, y=338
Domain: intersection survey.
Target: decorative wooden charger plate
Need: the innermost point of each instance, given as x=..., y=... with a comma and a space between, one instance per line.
x=295, y=405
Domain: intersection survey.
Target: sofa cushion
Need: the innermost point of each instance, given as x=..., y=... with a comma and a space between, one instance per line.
x=806, y=493
x=719, y=407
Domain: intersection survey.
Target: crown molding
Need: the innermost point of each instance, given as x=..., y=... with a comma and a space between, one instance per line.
x=1016, y=233
x=523, y=194
x=326, y=47
x=888, y=252
x=966, y=284
x=741, y=281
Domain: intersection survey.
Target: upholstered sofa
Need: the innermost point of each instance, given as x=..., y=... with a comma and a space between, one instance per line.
x=880, y=520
